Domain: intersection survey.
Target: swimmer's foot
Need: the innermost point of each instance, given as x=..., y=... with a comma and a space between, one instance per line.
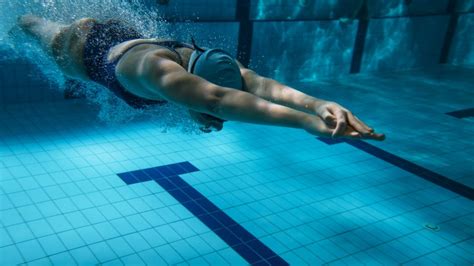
x=42, y=29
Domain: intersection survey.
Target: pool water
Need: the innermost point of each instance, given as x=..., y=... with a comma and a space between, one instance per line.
x=78, y=187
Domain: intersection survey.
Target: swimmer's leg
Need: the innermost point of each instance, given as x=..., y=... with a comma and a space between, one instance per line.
x=64, y=42
x=42, y=29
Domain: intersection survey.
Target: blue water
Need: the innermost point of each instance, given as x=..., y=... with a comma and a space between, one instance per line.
x=91, y=181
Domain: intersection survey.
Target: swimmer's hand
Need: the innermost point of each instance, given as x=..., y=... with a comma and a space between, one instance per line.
x=316, y=126
x=343, y=123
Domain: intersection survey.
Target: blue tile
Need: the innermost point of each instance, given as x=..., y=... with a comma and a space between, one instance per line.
x=210, y=221
x=330, y=141
x=261, y=263
x=261, y=249
x=133, y=259
x=83, y=256
x=63, y=258
x=165, y=171
x=20, y=232
x=277, y=261
x=246, y=252
x=59, y=223
x=120, y=246
x=31, y=250
x=224, y=218
x=206, y=204
x=10, y=217
x=178, y=182
x=141, y=176
x=123, y=226
x=241, y=233
x=207, y=212
x=10, y=256
x=228, y=237
x=194, y=208
x=175, y=169
x=151, y=257
x=153, y=238
x=128, y=178
x=180, y=169
x=89, y=234
x=154, y=173
x=52, y=244
x=102, y=251
x=179, y=195
x=165, y=183
x=71, y=239
x=408, y=166
x=188, y=167
x=106, y=230
x=5, y=239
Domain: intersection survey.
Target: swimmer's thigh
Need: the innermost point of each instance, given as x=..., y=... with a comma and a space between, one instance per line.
x=68, y=47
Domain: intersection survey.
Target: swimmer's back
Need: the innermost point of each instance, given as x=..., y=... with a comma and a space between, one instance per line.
x=68, y=47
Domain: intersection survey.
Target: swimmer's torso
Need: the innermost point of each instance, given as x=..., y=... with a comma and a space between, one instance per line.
x=130, y=58
x=68, y=51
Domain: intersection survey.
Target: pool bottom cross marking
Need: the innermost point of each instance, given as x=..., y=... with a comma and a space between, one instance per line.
x=237, y=237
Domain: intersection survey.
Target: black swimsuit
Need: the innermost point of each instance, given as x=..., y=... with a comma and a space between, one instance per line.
x=104, y=36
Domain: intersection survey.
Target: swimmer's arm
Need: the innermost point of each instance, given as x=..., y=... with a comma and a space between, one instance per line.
x=272, y=90
x=177, y=85
x=331, y=112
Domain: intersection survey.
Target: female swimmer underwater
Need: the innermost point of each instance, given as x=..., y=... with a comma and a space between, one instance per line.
x=209, y=82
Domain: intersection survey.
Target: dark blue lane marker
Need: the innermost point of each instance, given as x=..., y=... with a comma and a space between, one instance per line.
x=462, y=113
x=244, y=47
x=450, y=31
x=331, y=141
x=360, y=39
x=237, y=237
x=408, y=166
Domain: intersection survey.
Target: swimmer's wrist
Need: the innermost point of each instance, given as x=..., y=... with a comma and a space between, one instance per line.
x=312, y=104
x=315, y=103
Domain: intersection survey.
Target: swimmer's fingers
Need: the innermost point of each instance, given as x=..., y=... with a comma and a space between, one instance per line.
x=377, y=136
x=370, y=129
x=367, y=132
x=358, y=125
x=341, y=120
x=352, y=133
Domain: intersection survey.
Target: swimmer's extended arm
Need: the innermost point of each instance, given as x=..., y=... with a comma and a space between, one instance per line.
x=177, y=85
x=332, y=113
x=276, y=92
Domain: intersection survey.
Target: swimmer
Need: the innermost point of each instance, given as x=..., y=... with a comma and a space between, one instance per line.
x=210, y=83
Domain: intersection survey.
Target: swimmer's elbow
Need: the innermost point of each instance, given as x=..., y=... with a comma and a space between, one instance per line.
x=192, y=93
x=177, y=85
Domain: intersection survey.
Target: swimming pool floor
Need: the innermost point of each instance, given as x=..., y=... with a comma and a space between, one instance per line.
x=279, y=195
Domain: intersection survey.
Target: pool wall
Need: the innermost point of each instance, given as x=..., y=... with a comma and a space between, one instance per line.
x=296, y=40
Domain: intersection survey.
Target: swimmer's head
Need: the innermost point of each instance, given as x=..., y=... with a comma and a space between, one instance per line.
x=218, y=67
